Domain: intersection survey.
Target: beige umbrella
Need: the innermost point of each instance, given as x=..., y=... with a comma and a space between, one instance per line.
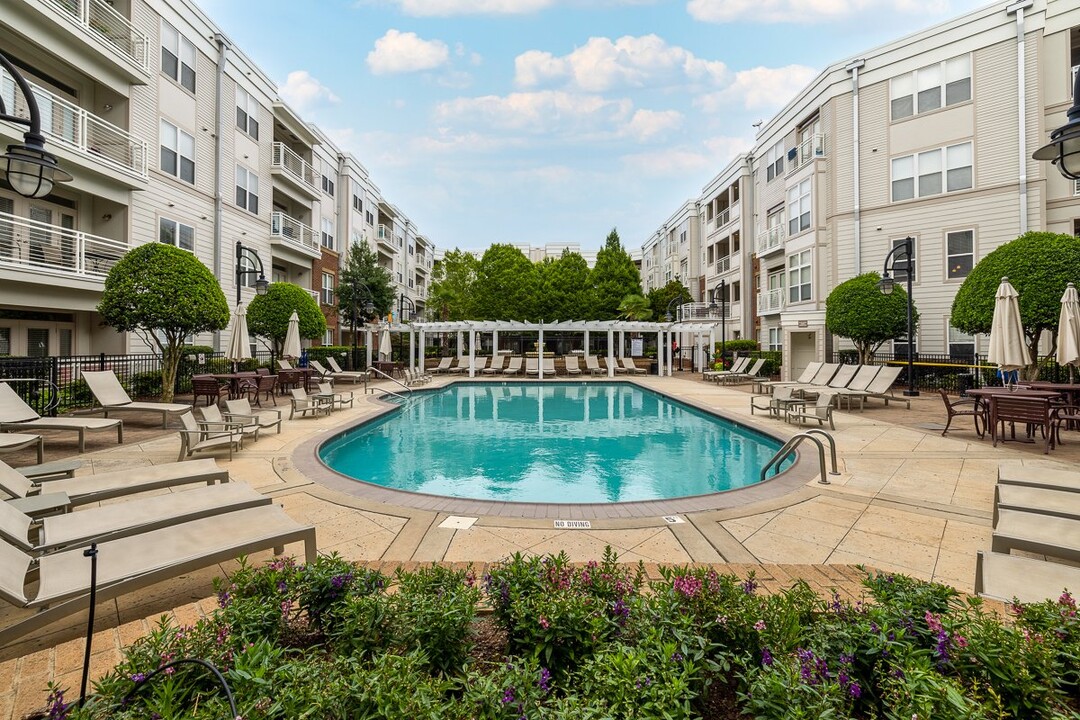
x=1008, y=346
x=1068, y=335
x=239, y=344
x=385, y=347
x=292, y=337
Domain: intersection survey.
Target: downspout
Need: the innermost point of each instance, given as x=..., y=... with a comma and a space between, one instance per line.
x=223, y=52
x=1021, y=83
x=853, y=68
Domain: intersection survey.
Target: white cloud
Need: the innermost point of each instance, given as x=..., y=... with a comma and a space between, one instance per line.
x=803, y=11
x=442, y=8
x=537, y=112
x=602, y=64
x=645, y=124
x=724, y=148
x=759, y=88
x=303, y=92
x=398, y=52
x=667, y=162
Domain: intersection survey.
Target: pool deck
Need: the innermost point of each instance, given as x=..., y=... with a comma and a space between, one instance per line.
x=906, y=500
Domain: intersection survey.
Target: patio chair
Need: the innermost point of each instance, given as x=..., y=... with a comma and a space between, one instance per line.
x=305, y=404
x=821, y=410
x=353, y=376
x=807, y=375
x=338, y=398
x=16, y=415
x=443, y=366
x=881, y=386
x=840, y=379
x=593, y=365
x=264, y=388
x=738, y=365
x=514, y=366
x=630, y=367
x=1067, y=416
x=130, y=563
x=461, y=366
x=532, y=366
x=749, y=375
x=196, y=436
x=208, y=387
x=496, y=366
x=1005, y=577
x=856, y=389
x=548, y=364
x=214, y=420
x=955, y=408
x=241, y=410
x=777, y=404
x=10, y=442
x=572, y=367
x=479, y=363
x=105, y=486
x=284, y=364
x=112, y=397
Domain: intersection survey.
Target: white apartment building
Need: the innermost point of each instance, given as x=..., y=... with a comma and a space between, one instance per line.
x=171, y=135
x=672, y=253
x=928, y=137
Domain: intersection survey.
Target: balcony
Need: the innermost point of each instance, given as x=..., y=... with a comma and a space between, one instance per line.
x=705, y=312
x=98, y=19
x=810, y=148
x=292, y=233
x=31, y=246
x=770, y=240
x=286, y=164
x=770, y=302
x=70, y=126
x=726, y=263
x=385, y=237
x=314, y=295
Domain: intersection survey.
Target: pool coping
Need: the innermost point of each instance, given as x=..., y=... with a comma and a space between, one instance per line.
x=306, y=460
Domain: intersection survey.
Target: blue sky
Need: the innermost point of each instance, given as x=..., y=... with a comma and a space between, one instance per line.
x=536, y=121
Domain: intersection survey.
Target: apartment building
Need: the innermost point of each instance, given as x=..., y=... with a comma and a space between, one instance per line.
x=672, y=253
x=928, y=137
x=171, y=134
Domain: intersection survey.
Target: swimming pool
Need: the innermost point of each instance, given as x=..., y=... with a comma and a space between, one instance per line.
x=550, y=443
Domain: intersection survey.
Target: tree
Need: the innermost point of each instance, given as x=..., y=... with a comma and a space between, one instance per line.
x=163, y=294
x=564, y=288
x=506, y=284
x=613, y=278
x=361, y=264
x=635, y=307
x=857, y=310
x=452, y=287
x=1039, y=265
x=661, y=298
x=268, y=315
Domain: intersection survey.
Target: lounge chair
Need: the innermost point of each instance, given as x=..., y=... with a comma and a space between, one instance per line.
x=840, y=379
x=214, y=420
x=496, y=366
x=241, y=410
x=197, y=436
x=1017, y=474
x=749, y=375
x=821, y=410
x=572, y=367
x=353, y=376
x=55, y=469
x=284, y=364
x=593, y=365
x=857, y=387
x=112, y=397
x=1028, y=580
x=629, y=367
x=1037, y=533
x=131, y=563
x=479, y=364
x=317, y=366
x=1043, y=501
x=548, y=364
x=514, y=366
x=137, y=515
x=9, y=442
x=532, y=366
x=738, y=365
x=443, y=366
x=338, y=398
x=881, y=386
x=807, y=375
x=314, y=404
x=16, y=415
x=105, y=486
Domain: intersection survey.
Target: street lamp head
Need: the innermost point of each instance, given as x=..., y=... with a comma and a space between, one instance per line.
x=713, y=307
x=886, y=284
x=262, y=285
x=369, y=308
x=31, y=171
x=667, y=316
x=1063, y=150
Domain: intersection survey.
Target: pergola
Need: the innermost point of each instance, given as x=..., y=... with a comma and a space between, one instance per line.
x=418, y=331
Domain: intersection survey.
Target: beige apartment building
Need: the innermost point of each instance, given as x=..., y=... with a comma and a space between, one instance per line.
x=172, y=135
x=928, y=137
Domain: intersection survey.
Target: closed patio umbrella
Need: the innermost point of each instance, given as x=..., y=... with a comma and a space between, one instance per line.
x=1068, y=335
x=239, y=345
x=292, y=337
x=384, y=343
x=1008, y=346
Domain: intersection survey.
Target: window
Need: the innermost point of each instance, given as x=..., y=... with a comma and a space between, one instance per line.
x=774, y=161
x=776, y=339
x=177, y=56
x=247, y=113
x=177, y=152
x=928, y=88
x=959, y=253
x=961, y=345
x=327, y=289
x=902, y=264
x=328, y=233
x=932, y=172
x=369, y=218
x=800, y=276
x=900, y=347
x=176, y=233
x=682, y=237
x=357, y=203
x=247, y=190
x=328, y=337
x=799, y=207
x=328, y=185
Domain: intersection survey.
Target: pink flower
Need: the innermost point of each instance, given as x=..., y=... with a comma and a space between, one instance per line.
x=759, y=625
x=544, y=622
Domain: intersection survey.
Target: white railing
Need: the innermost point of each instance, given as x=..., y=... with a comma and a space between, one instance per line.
x=723, y=217
x=708, y=311
x=810, y=148
x=67, y=124
x=286, y=160
x=769, y=240
x=315, y=295
x=293, y=232
x=104, y=22
x=40, y=247
x=724, y=264
x=770, y=301
x=385, y=235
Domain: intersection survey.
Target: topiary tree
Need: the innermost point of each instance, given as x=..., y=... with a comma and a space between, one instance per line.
x=163, y=294
x=1039, y=265
x=857, y=310
x=268, y=315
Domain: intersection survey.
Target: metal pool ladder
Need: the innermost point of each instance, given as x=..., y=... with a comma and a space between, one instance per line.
x=791, y=444
x=408, y=389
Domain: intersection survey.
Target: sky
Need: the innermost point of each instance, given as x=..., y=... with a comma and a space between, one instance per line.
x=551, y=121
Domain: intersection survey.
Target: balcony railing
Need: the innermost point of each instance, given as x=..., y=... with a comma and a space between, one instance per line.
x=296, y=167
x=705, y=312
x=385, y=236
x=810, y=148
x=293, y=232
x=104, y=22
x=770, y=302
x=725, y=263
x=39, y=247
x=769, y=240
x=69, y=125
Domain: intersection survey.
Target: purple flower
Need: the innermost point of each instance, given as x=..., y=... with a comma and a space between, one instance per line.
x=854, y=690
x=749, y=586
x=339, y=581
x=508, y=695
x=766, y=657
x=545, y=680
x=138, y=678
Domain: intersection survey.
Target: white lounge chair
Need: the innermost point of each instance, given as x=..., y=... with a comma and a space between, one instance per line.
x=197, y=436
x=9, y=442
x=17, y=415
x=338, y=398
x=496, y=365
x=548, y=365
x=1042, y=501
x=532, y=366
x=317, y=366
x=1037, y=533
x=461, y=366
x=572, y=367
x=113, y=398
x=593, y=365
x=241, y=410
x=748, y=375
x=443, y=366
x=628, y=366
x=1017, y=474
x=807, y=375
x=514, y=366
x=353, y=376
x=857, y=388
x=738, y=365
x=284, y=364
x=305, y=404
x=881, y=386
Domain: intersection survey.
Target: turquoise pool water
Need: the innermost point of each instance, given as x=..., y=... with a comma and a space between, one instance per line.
x=550, y=442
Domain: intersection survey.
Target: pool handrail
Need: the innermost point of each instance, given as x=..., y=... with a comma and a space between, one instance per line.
x=377, y=371
x=794, y=441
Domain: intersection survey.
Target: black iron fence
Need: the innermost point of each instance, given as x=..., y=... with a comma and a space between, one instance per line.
x=955, y=374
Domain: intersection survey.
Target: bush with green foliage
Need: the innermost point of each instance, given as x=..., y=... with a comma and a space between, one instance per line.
x=856, y=309
x=268, y=315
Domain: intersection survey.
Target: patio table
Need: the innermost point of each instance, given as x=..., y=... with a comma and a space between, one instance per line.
x=988, y=396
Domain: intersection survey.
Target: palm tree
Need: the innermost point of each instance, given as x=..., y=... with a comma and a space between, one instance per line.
x=635, y=307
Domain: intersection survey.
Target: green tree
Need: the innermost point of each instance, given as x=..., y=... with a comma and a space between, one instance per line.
x=506, y=285
x=268, y=315
x=635, y=307
x=614, y=277
x=1039, y=265
x=452, y=288
x=163, y=294
x=564, y=288
x=662, y=297
x=857, y=310
x=362, y=265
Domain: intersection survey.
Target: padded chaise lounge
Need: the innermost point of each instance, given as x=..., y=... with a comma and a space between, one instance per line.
x=16, y=415
x=1028, y=580
x=112, y=397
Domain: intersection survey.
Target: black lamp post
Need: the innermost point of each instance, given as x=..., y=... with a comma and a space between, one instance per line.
x=29, y=169
x=402, y=299
x=261, y=284
x=721, y=290
x=668, y=316
x=1063, y=149
x=905, y=249
x=369, y=308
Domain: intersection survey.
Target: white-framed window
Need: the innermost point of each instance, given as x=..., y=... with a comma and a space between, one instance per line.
x=177, y=56
x=798, y=207
x=177, y=152
x=328, y=337
x=902, y=264
x=173, y=232
x=328, y=233
x=932, y=87
x=959, y=253
x=247, y=112
x=774, y=161
x=357, y=203
x=327, y=185
x=327, y=289
x=900, y=346
x=775, y=339
x=247, y=190
x=946, y=169
x=961, y=345
x=800, y=276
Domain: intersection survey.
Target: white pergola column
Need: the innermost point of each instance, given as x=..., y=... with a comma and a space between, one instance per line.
x=472, y=353
x=622, y=345
x=367, y=345
x=712, y=344
x=540, y=359
x=586, y=349
x=660, y=353
x=412, y=350
x=459, y=347
x=670, y=356
x=611, y=353
x=423, y=353
x=494, y=345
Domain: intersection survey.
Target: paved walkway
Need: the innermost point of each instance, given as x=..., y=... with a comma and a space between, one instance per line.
x=906, y=500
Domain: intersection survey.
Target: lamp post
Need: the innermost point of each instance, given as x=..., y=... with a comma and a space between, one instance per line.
x=261, y=284
x=721, y=290
x=30, y=170
x=1063, y=149
x=668, y=317
x=402, y=299
x=369, y=308
x=885, y=285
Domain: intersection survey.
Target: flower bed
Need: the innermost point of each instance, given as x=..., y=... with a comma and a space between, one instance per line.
x=541, y=638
